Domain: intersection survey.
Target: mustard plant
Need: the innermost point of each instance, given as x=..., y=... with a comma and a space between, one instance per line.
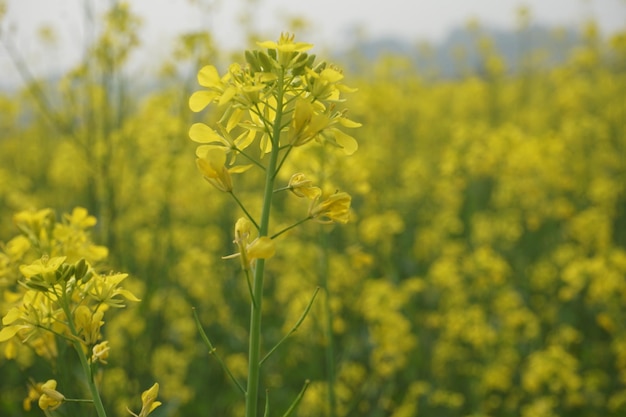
x=284, y=101
x=59, y=295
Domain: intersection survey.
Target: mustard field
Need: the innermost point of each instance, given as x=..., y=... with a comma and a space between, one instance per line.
x=395, y=242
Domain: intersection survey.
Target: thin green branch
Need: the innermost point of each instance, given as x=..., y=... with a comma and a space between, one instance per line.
x=295, y=402
x=213, y=351
x=294, y=328
x=275, y=235
x=248, y=215
x=248, y=157
x=266, y=413
x=282, y=161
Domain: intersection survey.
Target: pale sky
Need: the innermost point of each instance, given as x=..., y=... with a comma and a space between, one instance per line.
x=330, y=22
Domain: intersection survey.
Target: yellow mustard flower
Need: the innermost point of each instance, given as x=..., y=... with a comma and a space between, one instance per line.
x=303, y=187
x=335, y=208
x=45, y=267
x=105, y=289
x=213, y=168
x=286, y=44
x=35, y=313
x=88, y=323
x=201, y=133
x=286, y=48
x=325, y=84
x=259, y=248
x=80, y=218
x=36, y=221
x=148, y=401
x=311, y=121
x=34, y=392
x=307, y=123
x=100, y=352
x=217, y=89
x=50, y=398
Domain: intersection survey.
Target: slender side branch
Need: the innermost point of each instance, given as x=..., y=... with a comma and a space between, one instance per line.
x=213, y=351
x=243, y=208
x=295, y=402
x=294, y=328
x=286, y=229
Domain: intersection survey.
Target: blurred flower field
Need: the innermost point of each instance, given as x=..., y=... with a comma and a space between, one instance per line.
x=482, y=272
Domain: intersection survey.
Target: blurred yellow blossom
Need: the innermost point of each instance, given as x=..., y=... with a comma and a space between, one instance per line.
x=148, y=401
x=335, y=208
x=50, y=398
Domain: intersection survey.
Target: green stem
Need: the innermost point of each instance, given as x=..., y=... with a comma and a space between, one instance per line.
x=328, y=326
x=95, y=394
x=252, y=393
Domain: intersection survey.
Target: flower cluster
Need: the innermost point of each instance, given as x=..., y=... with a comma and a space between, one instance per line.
x=58, y=298
x=285, y=100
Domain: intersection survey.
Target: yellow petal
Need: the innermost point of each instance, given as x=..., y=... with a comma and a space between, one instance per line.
x=12, y=315
x=227, y=95
x=245, y=139
x=201, y=133
x=239, y=169
x=347, y=142
x=261, y=248
x=349, y=123
x=331, y=75
x=200, y=99
x=209, y=77
x=8, y=332
x=268, y=44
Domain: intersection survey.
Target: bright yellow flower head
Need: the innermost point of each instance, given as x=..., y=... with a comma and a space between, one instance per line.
x=88, y=324
x=286, y=44
x=308, y=122
x=335, y=208
x=213, y=168
x=45, y=268
x=287, y=50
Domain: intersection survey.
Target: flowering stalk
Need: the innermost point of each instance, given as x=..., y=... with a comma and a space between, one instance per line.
x=287, y=101
x=64, y=300
x=254, y=353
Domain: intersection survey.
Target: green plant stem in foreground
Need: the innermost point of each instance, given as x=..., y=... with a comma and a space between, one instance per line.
x=254, y=365
x=328, y=326
x=95, y=394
